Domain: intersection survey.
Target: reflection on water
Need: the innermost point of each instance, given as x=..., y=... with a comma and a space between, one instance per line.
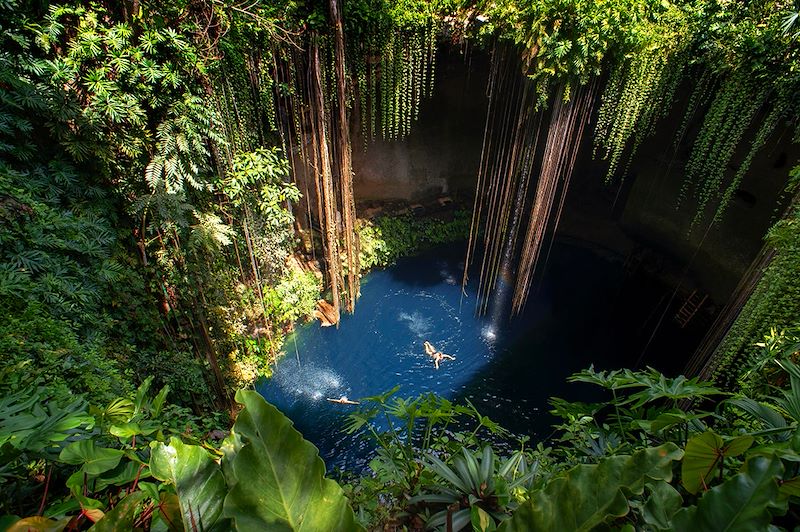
x=508, y=372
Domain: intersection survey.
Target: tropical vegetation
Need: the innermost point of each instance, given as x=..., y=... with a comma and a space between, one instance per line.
x=176, y=192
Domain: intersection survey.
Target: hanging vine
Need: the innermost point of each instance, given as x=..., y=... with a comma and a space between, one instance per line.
x=564, y=136
x=641, y=88
x=758, y=82
x=394, y=65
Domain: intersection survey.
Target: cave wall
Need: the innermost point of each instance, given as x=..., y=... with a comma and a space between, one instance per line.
x=656, y=212
x=645, y=209
x=442, y=153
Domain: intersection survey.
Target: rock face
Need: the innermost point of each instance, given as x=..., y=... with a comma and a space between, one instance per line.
x=326, y=314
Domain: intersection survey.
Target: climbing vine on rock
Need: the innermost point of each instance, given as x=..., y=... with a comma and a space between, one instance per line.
x=774, y=305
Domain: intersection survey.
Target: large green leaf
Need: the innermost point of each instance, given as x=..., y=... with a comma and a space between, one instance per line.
x=95, y=460
x=587, y=495
x=38, y=524
x=704, y=454
x=197, y=478
x=168, y=512
x=278, y=479
x=791, y=487
x=481, y=520
x=741, y=503
x=119, y=410
x=763, y=413
x=661, y=505
x=125, y=473
x=121, y=517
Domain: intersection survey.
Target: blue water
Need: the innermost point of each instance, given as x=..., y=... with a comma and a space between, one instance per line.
x=508, y=371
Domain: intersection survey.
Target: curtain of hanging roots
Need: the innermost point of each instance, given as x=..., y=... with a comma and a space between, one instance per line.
x=309, y=119
x=508, y=155
x=564, y=135
x=345, y=164
x=326, y=189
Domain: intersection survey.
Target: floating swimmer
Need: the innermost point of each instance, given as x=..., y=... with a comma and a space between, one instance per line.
x=438, y=356
x=343, y=400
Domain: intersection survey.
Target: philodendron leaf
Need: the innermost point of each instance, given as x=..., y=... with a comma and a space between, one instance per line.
x=125, y=430
x=791, y=487
x=278, y=479
x=95, y=460
x=661, y=505
x=168, y=512
x=121, y=517
x=38, y=524
x=119, y=410
x=741, y=503
x=123, y=474
x=738, y=445
x=704, y=453
x=588, y=495
x=197, y=478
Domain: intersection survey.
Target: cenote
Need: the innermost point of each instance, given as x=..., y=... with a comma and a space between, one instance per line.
x=230, y=231
x=507, y=368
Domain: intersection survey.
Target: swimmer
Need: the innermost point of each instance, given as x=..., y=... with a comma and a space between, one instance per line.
x=343, y=400
x=429, y=349
x=438, y=356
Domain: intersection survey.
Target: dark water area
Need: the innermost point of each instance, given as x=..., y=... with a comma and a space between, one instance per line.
x=586, y=310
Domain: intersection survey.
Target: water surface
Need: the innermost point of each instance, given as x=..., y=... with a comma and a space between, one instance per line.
x=508, y=371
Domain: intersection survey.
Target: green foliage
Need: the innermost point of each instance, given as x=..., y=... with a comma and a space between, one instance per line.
x=196, y=478
x=767, y=326
x=276, y=478
x=388, y=238
x=746, y=501
x=181, y=148
x=745, y=59
x=643, y=83
x=393, y=54
x=89, y=450
x=484, y=481
x=632, y=461
x=574, y=502
x=52, y=349
x=93, y=460
x=568, y=42
x=705, y=455
x=145, y=227
x=122, y=516
x=29, y=423
x=429, y=466
x=755, y=61
x=294, y=297
x=269, y=477
x=260, y=176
